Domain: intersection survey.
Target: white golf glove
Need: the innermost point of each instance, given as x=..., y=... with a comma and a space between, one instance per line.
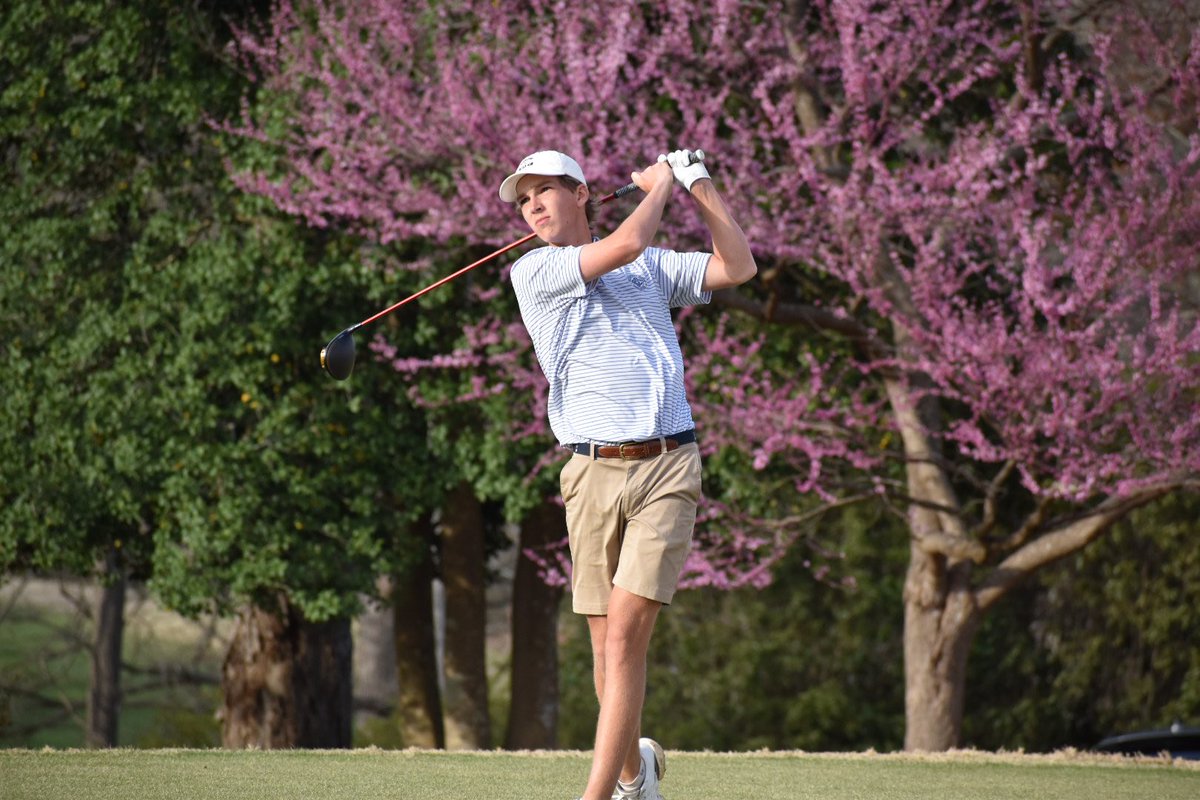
x=688, y=167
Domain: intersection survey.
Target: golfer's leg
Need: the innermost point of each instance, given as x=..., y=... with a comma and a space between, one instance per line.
x=629, y=624
x=598, y=627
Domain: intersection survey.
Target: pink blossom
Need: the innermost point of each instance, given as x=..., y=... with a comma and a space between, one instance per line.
x=1019, y=248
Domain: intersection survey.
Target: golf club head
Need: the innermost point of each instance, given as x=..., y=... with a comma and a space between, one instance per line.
x=338, y=356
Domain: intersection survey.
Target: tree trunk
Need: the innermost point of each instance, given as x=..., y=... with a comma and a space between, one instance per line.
x=940, y=621
x=942, y=607
x=940, y=613
x=287, y=682
x=463, y=554
x=104, y=691
x=419, y=701
x=533, y=715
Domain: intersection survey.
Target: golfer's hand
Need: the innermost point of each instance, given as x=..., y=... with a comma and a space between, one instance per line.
x=654, y=175
x=685, y=171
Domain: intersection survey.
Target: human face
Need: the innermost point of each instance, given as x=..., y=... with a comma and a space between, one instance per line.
x=555, y=213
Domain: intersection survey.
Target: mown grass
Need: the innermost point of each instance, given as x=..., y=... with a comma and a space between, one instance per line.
x=366, y=774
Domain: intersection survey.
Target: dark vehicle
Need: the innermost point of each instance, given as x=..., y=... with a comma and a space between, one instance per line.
x=1176, y=741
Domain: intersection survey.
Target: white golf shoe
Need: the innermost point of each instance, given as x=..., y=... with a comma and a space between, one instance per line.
x=654, y=766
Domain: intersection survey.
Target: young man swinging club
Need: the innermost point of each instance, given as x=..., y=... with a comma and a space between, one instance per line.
x=598, y=311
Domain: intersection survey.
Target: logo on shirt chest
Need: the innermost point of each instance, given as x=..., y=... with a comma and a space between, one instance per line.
x=636, y=274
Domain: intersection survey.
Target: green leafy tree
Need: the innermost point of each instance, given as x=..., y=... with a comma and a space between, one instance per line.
x=165, y=413
x=86, y=145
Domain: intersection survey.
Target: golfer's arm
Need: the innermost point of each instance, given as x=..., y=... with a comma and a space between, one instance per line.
x=732, y=263
x=630, y=238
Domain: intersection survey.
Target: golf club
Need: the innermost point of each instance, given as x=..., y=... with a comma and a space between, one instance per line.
x=337, y=357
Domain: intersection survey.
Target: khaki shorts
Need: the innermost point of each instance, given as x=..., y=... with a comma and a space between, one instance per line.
x=629, y=524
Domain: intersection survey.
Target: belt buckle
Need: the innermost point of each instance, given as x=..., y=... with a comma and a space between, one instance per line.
x=621, y=450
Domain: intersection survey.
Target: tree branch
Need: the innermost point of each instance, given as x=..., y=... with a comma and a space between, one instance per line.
x=796, y=315
x=172, y=675
x=805, y=91
x=1031, y=47
x=989, y=501
x=1061, y=542
x=12, y=596
x=20, y=732
x=1032, y=523
x=816, y=513
x=34, y=696
x=937, y=525
x=952, y=546
x=930, y=505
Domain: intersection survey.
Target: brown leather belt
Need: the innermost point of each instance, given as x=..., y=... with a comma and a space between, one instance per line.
x=632, y=451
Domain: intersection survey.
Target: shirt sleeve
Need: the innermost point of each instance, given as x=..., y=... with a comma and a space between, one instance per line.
x=680, y=275
x=546, y=278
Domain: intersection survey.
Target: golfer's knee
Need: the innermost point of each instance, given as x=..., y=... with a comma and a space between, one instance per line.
x=623, y=645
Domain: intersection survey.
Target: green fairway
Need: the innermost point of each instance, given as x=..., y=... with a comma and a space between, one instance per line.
x=365, y=774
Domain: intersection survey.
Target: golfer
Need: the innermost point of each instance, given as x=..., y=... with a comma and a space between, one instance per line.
x=598, y=311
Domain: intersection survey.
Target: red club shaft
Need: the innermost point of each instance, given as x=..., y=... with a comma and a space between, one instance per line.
x=447, y=279
x=624, y=190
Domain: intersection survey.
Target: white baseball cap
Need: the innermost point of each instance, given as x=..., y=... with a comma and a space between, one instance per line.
x=543, y=162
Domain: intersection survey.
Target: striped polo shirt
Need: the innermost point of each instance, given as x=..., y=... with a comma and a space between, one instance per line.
x=608, y=347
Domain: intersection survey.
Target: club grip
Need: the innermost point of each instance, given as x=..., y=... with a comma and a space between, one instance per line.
x=696, y=156
x=624, y=190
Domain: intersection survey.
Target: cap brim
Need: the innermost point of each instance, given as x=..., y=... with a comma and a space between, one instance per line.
x=508, y=189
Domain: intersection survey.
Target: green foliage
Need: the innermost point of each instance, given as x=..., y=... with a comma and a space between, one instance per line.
x=164, y=392
x=1101, y=644
x=281, y=479
x=87, y=142
x=475, y=405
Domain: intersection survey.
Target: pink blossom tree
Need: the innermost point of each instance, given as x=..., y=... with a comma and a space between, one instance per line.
x=977, y=225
